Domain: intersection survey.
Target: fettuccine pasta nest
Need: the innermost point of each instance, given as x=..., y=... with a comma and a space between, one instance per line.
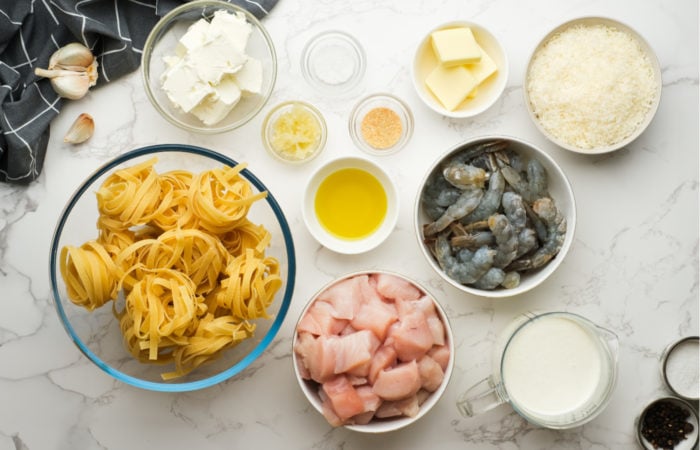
x=190, y=264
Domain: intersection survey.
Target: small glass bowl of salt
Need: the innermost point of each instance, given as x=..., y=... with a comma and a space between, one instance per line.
x=680, y=367
x=333, y=62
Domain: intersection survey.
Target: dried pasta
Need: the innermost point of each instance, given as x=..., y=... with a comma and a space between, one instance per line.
x=190, y=264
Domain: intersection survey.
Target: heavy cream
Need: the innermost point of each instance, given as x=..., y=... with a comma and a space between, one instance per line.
x=554, y=367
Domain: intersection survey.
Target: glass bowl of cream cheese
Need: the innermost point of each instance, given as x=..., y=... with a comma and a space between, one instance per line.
x=209, y=66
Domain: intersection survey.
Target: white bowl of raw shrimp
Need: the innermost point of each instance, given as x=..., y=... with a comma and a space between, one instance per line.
x=495, y=216
x=373, y=351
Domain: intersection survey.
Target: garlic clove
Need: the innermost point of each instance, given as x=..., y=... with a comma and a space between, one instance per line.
x=81, y=130
x=73, y=54
x=72, y=87
x=72, y=70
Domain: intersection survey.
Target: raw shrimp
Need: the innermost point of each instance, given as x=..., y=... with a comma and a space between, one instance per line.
x=527, y=241
x=530, y=187
x=491, y=279
x=537, y=178
x=438, y=195
x=472, y=240
x=465, y=175
x=515, y=211
x=472, y=151
x=464, y=270
x=466, y=203
x=506, y=240
x=491, y=200
x=556, y=233
x=511, y=280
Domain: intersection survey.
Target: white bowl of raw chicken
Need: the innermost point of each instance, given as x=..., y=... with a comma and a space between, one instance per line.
x=528, y=268
x=373, y=351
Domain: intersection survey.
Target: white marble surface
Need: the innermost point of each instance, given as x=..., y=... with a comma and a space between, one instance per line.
x=633, y=266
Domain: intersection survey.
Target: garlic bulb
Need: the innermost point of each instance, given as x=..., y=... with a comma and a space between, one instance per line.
x=81, y=130
x=72, y=70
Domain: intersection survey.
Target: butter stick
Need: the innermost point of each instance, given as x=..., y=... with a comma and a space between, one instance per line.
x=451, y=85
x=455, y=46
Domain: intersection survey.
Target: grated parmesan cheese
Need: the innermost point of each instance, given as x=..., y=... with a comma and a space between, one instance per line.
x=591, y=86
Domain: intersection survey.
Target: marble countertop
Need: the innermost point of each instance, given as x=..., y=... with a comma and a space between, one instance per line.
x=632, y=268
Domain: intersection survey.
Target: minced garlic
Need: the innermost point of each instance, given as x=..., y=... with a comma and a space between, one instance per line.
x=591, y=86
x=296, y=133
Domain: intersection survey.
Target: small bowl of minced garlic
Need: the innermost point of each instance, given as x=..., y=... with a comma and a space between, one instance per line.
x=460, y=69
x=209, y=66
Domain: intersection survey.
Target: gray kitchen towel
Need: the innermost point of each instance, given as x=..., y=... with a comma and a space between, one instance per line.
x=30, y=31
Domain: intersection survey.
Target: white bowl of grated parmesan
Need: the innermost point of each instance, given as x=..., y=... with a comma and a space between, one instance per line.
x=592, y=85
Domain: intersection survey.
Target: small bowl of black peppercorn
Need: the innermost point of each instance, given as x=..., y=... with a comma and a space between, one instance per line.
x=668, y=423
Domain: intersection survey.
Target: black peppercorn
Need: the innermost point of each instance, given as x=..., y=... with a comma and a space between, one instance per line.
x=665, y=424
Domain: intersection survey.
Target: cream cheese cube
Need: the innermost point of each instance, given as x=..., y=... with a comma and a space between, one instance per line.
x=215, y=59
x=234, y=28
x=250, y=77
x=195, y=37
x=455, y=46
x=216, y=106
x=484, y=68
x=183, y=86
x=451, y=85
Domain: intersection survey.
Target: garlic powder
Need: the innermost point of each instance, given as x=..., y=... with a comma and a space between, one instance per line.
x=591, y=86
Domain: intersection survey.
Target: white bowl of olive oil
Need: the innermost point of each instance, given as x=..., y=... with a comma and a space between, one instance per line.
x=350, y=205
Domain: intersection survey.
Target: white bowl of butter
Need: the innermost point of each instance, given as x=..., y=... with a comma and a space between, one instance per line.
x=459, y=69
x=209, y=66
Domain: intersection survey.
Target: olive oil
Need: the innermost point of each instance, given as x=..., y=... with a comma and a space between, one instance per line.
x=350, y=204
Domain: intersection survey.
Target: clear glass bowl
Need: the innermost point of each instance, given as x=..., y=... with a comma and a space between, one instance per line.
x=275, y=114
x=97, y=334
x=381, y=136
x=333, y=62
x=162, y=42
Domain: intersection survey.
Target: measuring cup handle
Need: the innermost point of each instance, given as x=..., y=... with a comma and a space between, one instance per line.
x=481, y=397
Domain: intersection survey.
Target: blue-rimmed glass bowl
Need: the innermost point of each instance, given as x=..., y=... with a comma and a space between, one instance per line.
x=96, y=333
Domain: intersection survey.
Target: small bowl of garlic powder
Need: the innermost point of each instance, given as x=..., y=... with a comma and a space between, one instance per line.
x=592, y=85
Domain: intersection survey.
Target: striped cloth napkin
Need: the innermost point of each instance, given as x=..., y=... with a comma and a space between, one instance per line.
x=30, y=31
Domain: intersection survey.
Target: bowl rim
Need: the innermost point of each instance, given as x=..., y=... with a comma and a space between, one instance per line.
x=364, y=245
x=554, y=263
x=277, y=109
x=503, y=72
x=172, y=386
x=146, y=69
x=685, y=404
x=350, y=43
x=398, y=103
x=439, y=393
x=646, y=48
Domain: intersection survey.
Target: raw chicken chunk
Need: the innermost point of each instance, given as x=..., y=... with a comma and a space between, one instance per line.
x=398, y=382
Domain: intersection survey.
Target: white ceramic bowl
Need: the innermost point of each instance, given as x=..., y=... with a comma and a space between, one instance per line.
x=488, y=92
x=645, y=47
x=335, y=243
x=163, y=40
x=310, y=387
x=559, y=190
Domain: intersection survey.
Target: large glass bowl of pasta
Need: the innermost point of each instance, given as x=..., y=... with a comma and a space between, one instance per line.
x=172, y=267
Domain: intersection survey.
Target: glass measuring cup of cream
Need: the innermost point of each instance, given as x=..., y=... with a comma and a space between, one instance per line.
x=555, y=369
